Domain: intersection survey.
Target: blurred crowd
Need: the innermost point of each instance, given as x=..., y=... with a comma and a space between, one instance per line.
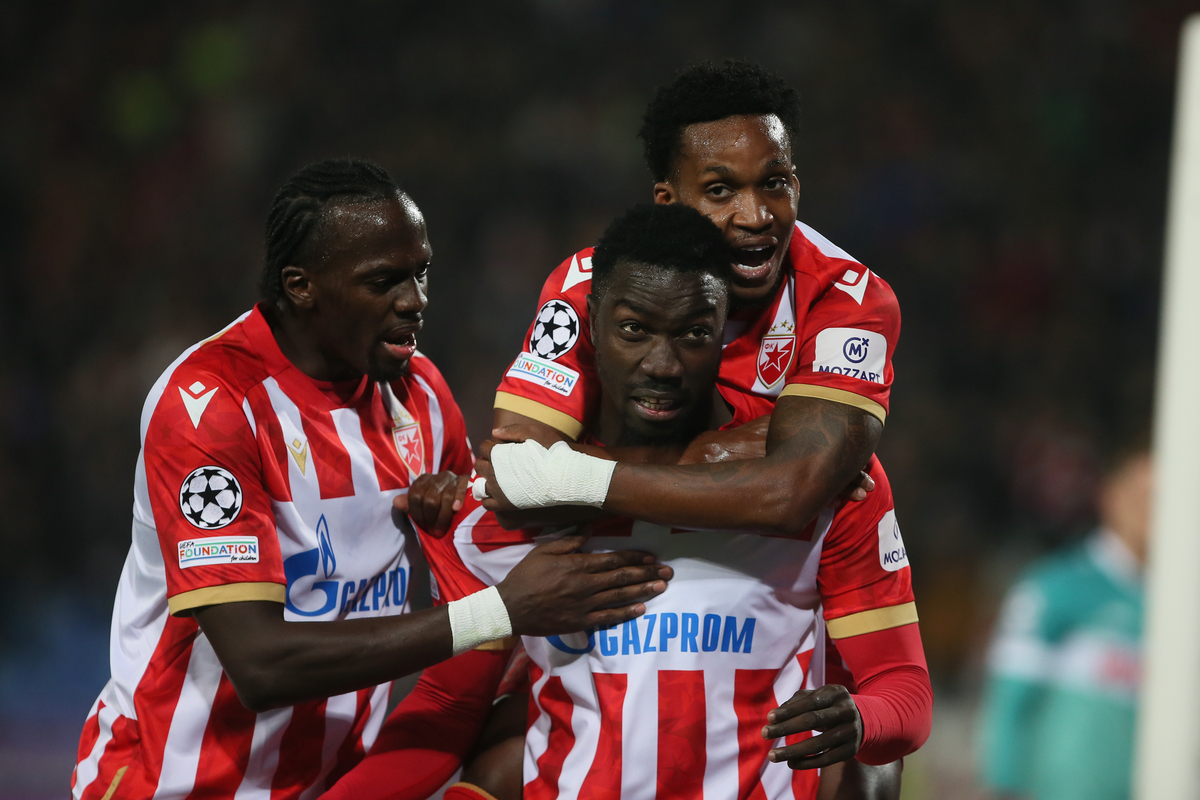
x=1002, y=163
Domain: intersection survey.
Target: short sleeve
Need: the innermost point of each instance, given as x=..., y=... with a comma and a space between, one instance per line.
x=211, y=510
x=864, y=577
x=847, y=337
x=475, y=554
x=554, y=378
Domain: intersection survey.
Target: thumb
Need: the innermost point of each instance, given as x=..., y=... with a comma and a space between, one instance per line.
x=509, y=433
x=400, y=503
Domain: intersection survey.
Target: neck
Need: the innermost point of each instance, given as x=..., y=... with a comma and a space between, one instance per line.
x=298, y=344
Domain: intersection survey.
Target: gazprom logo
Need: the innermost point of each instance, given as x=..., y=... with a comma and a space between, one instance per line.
x=328, y=559
x=386, y=589
x=855, y=349
x=665, y=632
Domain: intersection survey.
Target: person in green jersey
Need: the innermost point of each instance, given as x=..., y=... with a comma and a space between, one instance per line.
x=1057, y=720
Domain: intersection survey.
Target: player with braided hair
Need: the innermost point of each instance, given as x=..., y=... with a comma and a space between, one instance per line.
x=263, y=608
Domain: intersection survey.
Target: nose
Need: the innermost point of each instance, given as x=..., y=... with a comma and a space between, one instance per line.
x=411, y=298
x=662, y=362
x=752, y=213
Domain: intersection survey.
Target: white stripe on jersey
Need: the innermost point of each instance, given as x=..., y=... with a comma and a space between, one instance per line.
x=264, y=754
x=362, y=462
x=826, y=247
x=89, y=767
x=435, y=419
x=181, y=756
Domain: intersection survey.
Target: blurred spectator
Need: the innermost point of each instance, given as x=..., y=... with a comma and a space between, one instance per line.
x=1058, y=715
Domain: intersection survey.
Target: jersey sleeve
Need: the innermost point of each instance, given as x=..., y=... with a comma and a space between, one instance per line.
x=475, y=554
x=554, y=379
x=847, y=336
x=864, y=577
x=210, y=508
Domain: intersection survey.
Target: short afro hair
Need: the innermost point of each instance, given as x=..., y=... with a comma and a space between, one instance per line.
x=707, y=92
x=300, y=204
x=673, y=237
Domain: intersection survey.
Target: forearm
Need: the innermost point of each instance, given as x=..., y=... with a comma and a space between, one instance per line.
x=427, y=736
x=894, y=698
x=854, y=780
x=814, y=448
x=274, y=663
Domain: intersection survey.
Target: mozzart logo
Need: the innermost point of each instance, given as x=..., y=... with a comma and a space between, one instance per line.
x=555, y=377
x=218, y=550
x=852, y=352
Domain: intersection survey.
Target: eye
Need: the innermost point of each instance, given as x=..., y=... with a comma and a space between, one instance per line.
x=718, y=190
x=697, y=334
x=631, y=327
x=422, y=272
x=776, y=184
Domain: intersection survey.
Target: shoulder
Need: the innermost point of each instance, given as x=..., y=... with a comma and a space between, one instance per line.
x=217, y=371
x=571, y=280
x=825, y=266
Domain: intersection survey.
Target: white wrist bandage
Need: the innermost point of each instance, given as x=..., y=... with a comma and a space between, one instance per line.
x=478, y=618
x=533, y=477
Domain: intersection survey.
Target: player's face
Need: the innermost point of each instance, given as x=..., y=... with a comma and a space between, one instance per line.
x=371, y=288
x=738, y=172
x=657, y=335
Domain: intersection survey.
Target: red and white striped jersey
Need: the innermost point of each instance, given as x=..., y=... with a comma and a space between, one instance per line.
x=671, y=705
x=829, y=332
x=256, y=482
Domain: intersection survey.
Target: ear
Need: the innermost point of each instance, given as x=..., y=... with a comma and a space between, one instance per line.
x=298, y=288
x=591, y=310
x=664, y=193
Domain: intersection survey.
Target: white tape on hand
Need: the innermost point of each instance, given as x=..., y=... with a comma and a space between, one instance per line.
x=533, y=477
x=478, y=618
x=479, y=488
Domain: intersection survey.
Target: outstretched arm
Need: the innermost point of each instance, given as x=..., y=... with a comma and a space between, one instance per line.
x=814, y=449
x=273, y=662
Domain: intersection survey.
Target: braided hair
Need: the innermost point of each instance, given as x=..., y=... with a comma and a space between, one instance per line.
x=300, y=204
x=708, y=92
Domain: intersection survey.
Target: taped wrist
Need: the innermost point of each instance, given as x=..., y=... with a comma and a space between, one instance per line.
x=478, y=618
x=533, y=477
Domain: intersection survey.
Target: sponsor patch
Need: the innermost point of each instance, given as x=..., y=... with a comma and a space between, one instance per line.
x=210, y=498
x=218, y=550
x=555, y=330
x=555, y=377
x=852, y=352
x=892, y=555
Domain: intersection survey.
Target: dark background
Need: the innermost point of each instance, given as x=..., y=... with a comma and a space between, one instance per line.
x=1001, y=164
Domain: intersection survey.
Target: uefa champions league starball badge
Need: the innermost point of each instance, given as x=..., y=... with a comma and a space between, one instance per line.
x=210, y=498
x=556, y=330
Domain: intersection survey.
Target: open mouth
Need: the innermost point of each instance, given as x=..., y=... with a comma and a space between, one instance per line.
x=753, y=264
x=657, y=409
x=401, y=345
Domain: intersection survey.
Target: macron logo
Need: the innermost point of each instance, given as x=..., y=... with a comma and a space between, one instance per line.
x=579, y=271
x=197, y=401
x=854, y=284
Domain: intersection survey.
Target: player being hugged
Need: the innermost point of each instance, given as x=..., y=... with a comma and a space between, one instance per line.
x=723, y=680
x=261, y=613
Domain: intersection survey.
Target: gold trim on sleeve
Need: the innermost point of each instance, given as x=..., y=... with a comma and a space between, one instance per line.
x=226, y=593
x=507, y=643
x=837, y=396
x=875, y=619
x=556, y=419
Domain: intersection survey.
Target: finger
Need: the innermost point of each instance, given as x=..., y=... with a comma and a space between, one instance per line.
x=566, y=544
x=628, y=576
x=608, y=617
x=866, y=482
x=606, y=562
x=485, y=449
x=831, y=740
x=446, y=512
x=629, y=595
x=509, y=433
x=823, y=719
x=460, y=496
x=829, y=757
x=400, y=502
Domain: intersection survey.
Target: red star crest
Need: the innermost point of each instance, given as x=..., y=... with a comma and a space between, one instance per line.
x=410, y=445
x=774, y=358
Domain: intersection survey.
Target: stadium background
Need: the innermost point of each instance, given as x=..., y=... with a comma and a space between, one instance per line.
x=1001, y=164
